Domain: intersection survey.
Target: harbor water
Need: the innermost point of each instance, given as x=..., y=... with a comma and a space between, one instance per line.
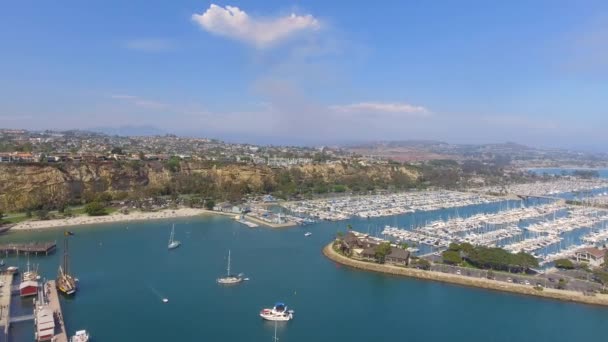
x=125, y=271
x=603, y=173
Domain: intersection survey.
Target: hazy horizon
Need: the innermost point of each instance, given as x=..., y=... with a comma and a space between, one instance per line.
x=312, y=73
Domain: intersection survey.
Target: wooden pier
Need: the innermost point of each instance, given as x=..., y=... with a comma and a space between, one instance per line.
x=34, y=248
x=5, y=300
x=61, y=334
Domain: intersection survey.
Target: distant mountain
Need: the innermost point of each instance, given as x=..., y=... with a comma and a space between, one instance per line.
x=130, y=130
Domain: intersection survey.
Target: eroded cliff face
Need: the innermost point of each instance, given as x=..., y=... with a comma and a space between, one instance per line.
x=32, y=185
x=26, y=186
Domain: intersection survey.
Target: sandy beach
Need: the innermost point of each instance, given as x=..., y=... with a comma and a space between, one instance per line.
x=570, y=296
x=114, y=217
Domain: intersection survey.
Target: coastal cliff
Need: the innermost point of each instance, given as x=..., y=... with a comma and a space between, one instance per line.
x=34, y=185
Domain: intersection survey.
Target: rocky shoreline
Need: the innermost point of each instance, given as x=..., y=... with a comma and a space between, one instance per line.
x=570, y=296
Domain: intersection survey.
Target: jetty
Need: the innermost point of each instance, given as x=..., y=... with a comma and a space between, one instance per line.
x=6, y=279
x=36, y=248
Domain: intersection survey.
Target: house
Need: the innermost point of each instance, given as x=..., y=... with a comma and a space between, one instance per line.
x=363, y=246
x=223, y=207
x=398, y=256
x=368, y=254
x=591, y=255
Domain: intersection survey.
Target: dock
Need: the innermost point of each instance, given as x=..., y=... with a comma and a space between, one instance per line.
x=34, y=248
x=61, y=334
x=5, y=301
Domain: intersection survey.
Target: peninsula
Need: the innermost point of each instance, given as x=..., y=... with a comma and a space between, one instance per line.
x=390, y=261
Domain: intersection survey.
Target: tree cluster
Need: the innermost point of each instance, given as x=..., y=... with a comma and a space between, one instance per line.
x=492, y=258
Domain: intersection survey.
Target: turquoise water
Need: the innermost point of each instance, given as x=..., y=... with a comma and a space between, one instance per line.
x=124, y=273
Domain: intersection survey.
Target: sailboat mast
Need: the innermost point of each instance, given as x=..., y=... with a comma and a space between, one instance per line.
x=65, y=256
x=228, y=270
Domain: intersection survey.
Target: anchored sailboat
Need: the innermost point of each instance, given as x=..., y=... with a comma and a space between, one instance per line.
x=172, y=242
x=229, y=278
x=65, y=281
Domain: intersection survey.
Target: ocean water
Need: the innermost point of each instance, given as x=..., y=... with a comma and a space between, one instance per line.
x=125, y=270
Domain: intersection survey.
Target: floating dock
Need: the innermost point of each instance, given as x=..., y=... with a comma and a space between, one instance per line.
x=35, y=248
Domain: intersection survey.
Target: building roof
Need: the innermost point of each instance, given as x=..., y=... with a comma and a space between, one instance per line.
x=398, y=253
x=595, y=252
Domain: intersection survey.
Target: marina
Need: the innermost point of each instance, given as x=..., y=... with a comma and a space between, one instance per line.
x=549, y=188
x=369, y=206
x=547, y=231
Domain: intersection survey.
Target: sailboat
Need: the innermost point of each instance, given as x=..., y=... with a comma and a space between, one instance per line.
x=65, y=281
x=29, y=282
x=172, y=242
x=229, y=278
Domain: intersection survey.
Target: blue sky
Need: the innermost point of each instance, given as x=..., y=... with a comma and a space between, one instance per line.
x=534, y=72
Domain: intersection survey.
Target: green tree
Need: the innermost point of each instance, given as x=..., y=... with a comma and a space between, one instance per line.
x=42, y=214
x=564, y=264
x=116, y=150
x=405, y=245
x=173, y=164
x=209, y=204
x=349, y=227
x=1, y=214
x=381, y=251
x=451, y=257
x=561, y=284
x=95, y=209
x=340, y=235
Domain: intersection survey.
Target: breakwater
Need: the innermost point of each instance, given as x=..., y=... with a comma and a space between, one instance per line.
x=488, y=284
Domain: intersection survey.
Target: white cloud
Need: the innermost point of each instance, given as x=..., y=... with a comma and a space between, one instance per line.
x=381, y=107
x=139, y=102
x=235, y=23
x=149, y=44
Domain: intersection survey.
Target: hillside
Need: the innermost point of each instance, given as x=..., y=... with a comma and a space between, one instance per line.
x=36, y=185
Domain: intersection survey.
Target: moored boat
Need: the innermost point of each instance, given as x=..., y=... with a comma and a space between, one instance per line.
x=66, y=283
x=28, y=288
x=230, y=279
x=80, y=336
x=172, y=242
x=278, y=313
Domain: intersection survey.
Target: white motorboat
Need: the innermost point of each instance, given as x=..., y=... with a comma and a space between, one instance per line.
x=80, y=336
x=278, y=313
x=172, y=242
x=307, y=234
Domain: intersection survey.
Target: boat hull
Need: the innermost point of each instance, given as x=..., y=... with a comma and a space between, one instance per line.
x=28, y=291
x=229, y=281
x=276, y=318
